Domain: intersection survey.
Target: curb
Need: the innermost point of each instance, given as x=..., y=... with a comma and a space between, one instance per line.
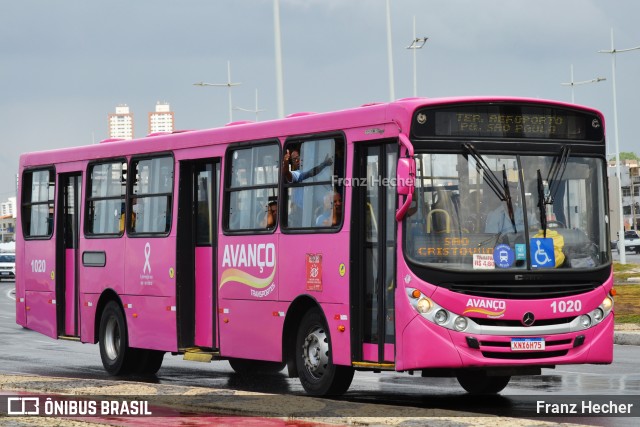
x=626, y=338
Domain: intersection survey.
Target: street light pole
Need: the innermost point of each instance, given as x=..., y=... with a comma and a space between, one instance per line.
x=417, y=43
x=574, y=83
x=278, y=53
x=613, y=51
x=256, y=110
x=392, y=91
x=228, y=84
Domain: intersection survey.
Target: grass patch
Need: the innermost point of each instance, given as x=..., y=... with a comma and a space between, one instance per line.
x=622, y=272
x=627, y=303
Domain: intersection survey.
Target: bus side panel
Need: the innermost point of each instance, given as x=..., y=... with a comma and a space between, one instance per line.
x=296, y=267
x=151, y=322
x=21, y=314
x=337, y=316
x=95, y=279
x=331, y=290
x=88, y=306
x=39, y=265
x=41, y=312
x=150, y=266
x=251, y=329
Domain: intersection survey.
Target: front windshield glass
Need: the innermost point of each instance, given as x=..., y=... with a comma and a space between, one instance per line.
x=496, y=212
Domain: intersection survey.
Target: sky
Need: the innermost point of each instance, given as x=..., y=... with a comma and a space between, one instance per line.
x=66, y=64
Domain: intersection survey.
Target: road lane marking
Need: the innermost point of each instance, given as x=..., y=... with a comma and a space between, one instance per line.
x=9, y=294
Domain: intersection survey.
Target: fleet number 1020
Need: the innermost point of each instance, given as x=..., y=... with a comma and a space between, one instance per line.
x=566, y=306
x=38, y=266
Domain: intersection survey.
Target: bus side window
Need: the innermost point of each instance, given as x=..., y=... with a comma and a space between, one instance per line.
x=312, y=171
x=105, y=199
x=251, y=188
x=151, y=195
x=38, y=203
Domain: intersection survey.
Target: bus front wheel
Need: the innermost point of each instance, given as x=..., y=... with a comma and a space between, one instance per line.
x=478, y=382
x=317, y=373
x=117, y=357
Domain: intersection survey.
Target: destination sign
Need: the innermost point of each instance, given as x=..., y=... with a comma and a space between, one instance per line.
x=510, y=121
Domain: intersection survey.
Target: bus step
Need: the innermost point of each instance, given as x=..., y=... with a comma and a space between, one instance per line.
x=198, y=355
x=375, y=365
x=68, y=338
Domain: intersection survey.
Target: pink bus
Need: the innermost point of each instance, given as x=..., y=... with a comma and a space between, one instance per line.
x=462, y=237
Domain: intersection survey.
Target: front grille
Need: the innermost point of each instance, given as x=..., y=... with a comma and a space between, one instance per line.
x=524, y=356
x=506, y=344
x=522, y=290
x=518, y=323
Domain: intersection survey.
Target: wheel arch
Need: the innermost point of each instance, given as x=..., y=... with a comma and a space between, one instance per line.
x=106, y=296
x=296, y=311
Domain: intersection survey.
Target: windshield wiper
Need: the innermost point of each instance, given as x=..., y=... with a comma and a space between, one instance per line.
x=542, y=205
x=507, y=198
x=491, y=180
x=501, y=191
x=558, y=166
x=554, y=178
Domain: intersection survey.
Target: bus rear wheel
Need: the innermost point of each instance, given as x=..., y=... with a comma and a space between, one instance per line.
x=148, y=362
x=117, y=357
x=318, y=375
x=478, y=382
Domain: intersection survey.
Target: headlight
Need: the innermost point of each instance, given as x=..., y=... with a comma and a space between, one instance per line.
x=424, y=305
x=460, y=323
x=441, y=316
x=585, y=321
x=598, y=314
x=607, y=304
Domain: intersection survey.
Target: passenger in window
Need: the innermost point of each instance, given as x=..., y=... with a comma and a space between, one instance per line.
x=271, y=215
x=295, y=174
x=136, y=210
x=332, y=213
x=292, y=173
x=50, y=220
x=122, y=216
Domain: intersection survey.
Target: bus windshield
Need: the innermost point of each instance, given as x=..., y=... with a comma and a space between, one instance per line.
x=488, y=212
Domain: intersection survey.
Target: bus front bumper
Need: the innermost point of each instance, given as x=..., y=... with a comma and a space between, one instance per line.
x=426, y=345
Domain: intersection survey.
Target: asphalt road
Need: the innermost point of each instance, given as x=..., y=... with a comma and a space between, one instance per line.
x=27, y=352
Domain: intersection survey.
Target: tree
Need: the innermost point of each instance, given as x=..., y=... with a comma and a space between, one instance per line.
x=626, y=155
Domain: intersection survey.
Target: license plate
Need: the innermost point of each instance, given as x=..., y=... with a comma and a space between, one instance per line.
x=527, y=344
x=4, y=273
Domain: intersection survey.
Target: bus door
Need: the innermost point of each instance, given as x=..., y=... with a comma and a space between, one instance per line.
x=68, y=225
x=197, y=252
x=373, y=247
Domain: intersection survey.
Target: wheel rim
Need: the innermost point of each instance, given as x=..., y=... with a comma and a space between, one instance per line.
x=315, y=352
x=112, y=339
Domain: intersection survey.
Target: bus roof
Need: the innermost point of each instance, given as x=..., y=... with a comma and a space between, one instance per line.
x=398, y=112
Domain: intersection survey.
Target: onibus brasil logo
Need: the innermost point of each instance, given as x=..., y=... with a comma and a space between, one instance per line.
x=242, y=258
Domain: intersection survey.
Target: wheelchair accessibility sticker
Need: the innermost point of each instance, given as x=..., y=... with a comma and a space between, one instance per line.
x=542, y=255
x=503, y=256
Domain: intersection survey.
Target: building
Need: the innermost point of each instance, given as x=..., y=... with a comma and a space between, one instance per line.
x=8, y=220
x=121, y=123
x=630, y=185
x=162, y=119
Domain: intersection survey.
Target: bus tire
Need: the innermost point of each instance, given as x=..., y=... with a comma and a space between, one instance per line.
x=149, y=362
x=478, y=382
x=255, y=367
x=117, y=357
x=317, y=373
